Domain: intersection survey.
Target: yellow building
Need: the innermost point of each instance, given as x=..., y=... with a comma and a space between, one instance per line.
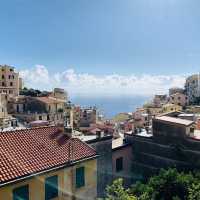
x=30, y=109
x=46, y=164
x=171, y=108
x=10, y=83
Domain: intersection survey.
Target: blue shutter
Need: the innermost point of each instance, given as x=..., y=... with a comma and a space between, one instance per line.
x=80, y=177
x=21, y=193
x=51, y=187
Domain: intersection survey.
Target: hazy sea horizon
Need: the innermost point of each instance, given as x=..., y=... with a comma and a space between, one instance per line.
x=110, y=106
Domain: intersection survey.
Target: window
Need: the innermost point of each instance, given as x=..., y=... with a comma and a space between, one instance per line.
x=119, y=164
x=51, y=187
x=21, y=193
x=3, y=84
x=40, y=117
x=80, y=177
x=11, y=83
x=3, y=77
x=9, y=76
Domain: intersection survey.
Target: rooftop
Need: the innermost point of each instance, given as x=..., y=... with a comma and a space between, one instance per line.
x=175, y=120
x=186, y=115
x=50, y=100
x=117, y=142
x=27, y=152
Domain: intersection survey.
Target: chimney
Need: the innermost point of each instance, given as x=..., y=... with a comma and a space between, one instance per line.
x=68, y=131
x=98, y=133
x=67, y=127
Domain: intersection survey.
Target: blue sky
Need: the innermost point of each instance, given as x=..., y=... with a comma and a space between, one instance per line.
x=102, y=36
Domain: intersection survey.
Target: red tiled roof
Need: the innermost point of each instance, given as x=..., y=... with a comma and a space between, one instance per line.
x=26, y=152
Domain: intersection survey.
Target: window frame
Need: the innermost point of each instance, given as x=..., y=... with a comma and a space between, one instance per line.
x=80, y=177
x=119, y=164
x=26, y=187
x=49, y=186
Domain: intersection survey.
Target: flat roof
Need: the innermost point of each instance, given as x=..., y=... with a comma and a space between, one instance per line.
x=186, y=115
x=175, y=120
x=117, y=142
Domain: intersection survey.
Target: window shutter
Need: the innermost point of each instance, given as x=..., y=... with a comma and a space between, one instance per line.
x=80, y=177
x=21, y=193
x=51, y=187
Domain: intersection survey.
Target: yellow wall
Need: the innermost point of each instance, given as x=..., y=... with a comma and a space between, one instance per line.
x=171, y=108
x=66, y=184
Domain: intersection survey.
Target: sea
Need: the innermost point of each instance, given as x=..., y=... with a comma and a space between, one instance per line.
x=111, y=106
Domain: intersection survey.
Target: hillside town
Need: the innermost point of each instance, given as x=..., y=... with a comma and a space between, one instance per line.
x=53, y=149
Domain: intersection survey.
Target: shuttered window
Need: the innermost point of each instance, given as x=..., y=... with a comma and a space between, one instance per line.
x=21, y=193
x=119, y=164
x=80, y=177
x=51, y=187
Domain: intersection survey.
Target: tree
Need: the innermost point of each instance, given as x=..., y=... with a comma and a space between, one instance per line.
x=33, y=93
x=117, y=192
x=167, y=185
x=194, y=192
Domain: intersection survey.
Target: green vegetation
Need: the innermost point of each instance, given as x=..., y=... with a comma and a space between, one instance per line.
x=32, y=92
x=121, y=117
x=60, y=110
x=117, y=192
x=167, y=185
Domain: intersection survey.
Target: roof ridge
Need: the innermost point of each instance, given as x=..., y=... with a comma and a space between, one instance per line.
x=28, y=129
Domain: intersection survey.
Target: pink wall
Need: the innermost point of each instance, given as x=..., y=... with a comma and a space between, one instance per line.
x=126, y=153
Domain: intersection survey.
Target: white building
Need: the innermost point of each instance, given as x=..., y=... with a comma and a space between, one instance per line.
x=192, y=87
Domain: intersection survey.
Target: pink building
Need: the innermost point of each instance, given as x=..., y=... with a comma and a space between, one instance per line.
x=122, y=155
x=179, y=99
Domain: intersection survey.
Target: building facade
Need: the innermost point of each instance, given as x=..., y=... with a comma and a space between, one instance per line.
x=32, y=166
x=10, y=83
x=179, y=99
x=192, y=88
x=88, y=116
x=30, y=109
x=175, y=90
x=171, y=144
x=159, y=100
x=169, y=107
x=122, y=157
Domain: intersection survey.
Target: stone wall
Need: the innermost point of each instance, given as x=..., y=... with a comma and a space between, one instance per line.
x=103, y=147
x=150, y=154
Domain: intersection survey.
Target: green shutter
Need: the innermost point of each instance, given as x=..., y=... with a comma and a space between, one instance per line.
x=80, y=177
x=51, y=187
x=21, y=193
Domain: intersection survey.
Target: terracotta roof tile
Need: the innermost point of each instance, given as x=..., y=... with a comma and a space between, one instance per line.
x=29, y=151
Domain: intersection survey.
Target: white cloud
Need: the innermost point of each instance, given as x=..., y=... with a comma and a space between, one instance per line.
x=88, y=84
